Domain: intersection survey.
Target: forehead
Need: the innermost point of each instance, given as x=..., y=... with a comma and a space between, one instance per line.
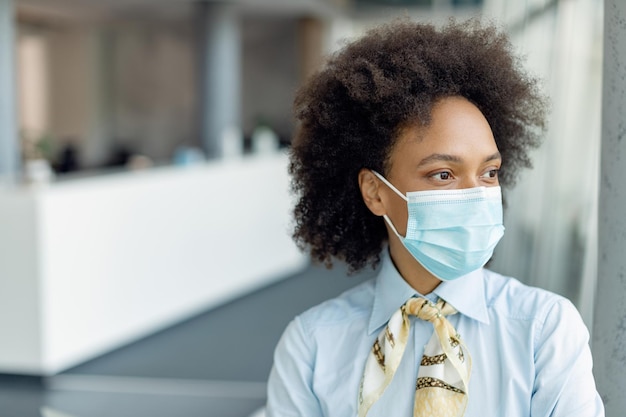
x=456, y=127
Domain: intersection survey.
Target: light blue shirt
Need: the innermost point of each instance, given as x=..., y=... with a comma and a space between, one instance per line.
x=529, y=348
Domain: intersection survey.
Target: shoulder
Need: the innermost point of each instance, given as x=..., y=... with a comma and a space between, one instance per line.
x=511, y=298
x=543, y=313
x=354, y=304
x=325, y=322
x=317, y=351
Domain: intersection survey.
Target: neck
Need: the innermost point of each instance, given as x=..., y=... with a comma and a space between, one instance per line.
x=411, y=271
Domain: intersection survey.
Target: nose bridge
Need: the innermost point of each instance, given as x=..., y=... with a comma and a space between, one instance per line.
x=469, y=181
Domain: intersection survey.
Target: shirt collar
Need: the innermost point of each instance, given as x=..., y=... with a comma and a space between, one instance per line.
x=466, y=294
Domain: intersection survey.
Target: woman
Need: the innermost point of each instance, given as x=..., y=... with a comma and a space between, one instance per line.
x=406, y=136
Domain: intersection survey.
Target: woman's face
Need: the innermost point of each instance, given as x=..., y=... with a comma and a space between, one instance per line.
x=456, y=150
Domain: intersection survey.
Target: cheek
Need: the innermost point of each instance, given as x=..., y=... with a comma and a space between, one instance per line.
x=399, y=216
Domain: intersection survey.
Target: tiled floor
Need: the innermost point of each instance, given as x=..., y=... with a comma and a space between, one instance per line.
x=215, y=364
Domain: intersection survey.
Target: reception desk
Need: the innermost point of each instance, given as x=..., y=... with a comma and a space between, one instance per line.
x=87, y=265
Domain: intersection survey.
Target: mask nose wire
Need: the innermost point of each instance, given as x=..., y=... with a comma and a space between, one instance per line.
x=390, y=185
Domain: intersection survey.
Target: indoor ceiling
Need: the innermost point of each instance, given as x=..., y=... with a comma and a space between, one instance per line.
x=98, y=9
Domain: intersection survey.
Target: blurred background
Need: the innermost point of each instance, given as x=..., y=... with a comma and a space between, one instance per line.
x=146, y=266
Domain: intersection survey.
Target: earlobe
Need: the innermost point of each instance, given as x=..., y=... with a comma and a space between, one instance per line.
x=370, y=186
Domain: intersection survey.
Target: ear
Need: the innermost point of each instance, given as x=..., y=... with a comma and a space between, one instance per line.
x=370, y=188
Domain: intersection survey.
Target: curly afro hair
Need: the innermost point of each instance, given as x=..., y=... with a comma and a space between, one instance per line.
x=352, y=111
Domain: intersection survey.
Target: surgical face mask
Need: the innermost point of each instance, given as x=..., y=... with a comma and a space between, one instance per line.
x=451, y=232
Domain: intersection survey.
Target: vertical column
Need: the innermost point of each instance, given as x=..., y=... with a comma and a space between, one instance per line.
x=219, y=73
x=311, y=33
x=609, y=338
x=9, y=145
x=98, y=140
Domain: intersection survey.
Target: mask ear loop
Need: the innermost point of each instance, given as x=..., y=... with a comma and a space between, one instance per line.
x=388, y=220
x=394, y=189
x=390, y=185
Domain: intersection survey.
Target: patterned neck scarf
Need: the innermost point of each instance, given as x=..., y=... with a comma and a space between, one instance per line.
x=443, y=377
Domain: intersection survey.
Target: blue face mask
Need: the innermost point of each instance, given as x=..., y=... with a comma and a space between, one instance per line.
x=451, y=232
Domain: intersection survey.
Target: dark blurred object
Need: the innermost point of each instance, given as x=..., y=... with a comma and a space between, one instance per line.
x=67, y=159
x=119, y=157
x=467, y=2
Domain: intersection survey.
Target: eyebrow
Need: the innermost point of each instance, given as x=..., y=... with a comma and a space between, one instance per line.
x=436, y=157
x=493, y=157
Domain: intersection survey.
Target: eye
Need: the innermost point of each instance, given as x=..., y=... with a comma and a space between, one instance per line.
x=492, y=173
x=442, y=176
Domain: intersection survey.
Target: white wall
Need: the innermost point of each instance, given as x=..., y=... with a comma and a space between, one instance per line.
x=20, y=309
x=88, y=265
